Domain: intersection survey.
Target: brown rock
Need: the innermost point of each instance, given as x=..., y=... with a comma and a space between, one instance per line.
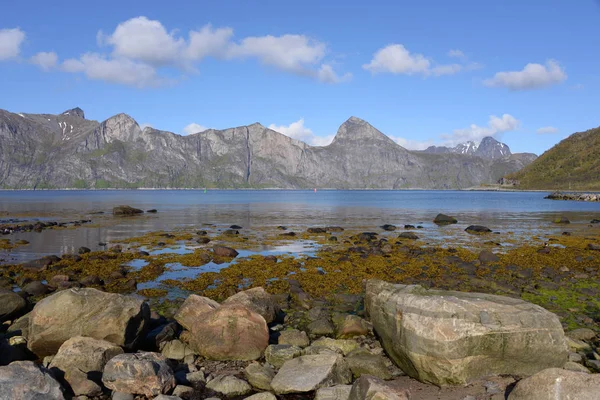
x=192, y=308
x=223, y=251
x=257, y=300
x=230, y=332
x=126, y=211
x=86, y=312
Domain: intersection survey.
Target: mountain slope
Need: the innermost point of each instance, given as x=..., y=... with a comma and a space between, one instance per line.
x=574, y=163
x=66, y=150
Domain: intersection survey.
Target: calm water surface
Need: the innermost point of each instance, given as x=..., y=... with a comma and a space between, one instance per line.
x=519, y=212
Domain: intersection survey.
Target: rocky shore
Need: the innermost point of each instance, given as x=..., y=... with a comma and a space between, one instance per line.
x=371, y=314
x=574, y=196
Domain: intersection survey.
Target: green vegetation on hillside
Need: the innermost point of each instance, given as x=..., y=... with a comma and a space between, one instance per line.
x=572, y=164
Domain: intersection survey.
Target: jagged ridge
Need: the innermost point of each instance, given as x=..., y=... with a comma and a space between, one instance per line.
x=67, y=150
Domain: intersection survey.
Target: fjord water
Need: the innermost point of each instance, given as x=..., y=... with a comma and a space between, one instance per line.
x=519, y=212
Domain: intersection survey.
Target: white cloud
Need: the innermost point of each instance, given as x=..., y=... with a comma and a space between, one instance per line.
x=456, y=53
x=293, y=53
x=397, y=59
x=297, y=130
x=547, y=130
x=449, y=69
x=532, y=76
x=496, y=125
x=193, y=128
x=144, y=45
x=45, y=60
x=208, y=42
x=412, y=144
x=145, y=40
x=328, y=75
x=10, y=43
x=122, y=70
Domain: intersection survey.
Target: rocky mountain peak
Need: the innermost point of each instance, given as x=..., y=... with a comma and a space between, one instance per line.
x=492, y=149
x=75, y=112
x=357, y=129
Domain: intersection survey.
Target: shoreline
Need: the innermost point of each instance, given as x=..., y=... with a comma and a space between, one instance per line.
x=471, y=189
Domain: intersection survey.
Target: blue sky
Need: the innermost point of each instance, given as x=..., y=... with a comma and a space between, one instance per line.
x=426, y=72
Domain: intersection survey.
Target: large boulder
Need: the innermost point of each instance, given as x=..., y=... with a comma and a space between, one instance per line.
x=192, y=308
x=230, y=332
x=257, y=300
x=139, y=373
x=447, y=337
x=558, y=384
x=87, y=312
x=11, y=305
x=80, y=362
x=308, y=373
x=25, y=380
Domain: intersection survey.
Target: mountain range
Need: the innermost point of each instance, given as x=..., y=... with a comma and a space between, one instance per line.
x=67, y=150
x=572, y=164
x=488, y=148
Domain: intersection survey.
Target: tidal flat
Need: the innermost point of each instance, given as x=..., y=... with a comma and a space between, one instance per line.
x=555, y=265
x=305, y=268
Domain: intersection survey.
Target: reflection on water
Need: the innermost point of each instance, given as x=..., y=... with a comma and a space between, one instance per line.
x=517, y=213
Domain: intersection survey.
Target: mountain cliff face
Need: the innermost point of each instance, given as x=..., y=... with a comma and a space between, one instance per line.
x=572, y=164
x=69, y=151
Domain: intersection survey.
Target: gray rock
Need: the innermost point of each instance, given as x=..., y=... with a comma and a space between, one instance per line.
x=139, y=373
x=371, y=388
x=339, y=392
x=293, y=337
x=175, y=349
x=575, y=367
x=318, y=350
x=81, y=358
x=11, y=305
x=309, y=373
x=259, y=376
x=365, y=363
x=278, y=354
x=36, y=288
x=229, y=386
x=24, y=380
x=20, y=326
x=195, y=377
x=557, y=384
x=78, y=312
x=581, y=334
x=446, y=337
x=262, y=396
x=165, y=397
x=257, y=300
x=122, y=396
x=344, y=345
x=321, y=327
x=183, y=391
